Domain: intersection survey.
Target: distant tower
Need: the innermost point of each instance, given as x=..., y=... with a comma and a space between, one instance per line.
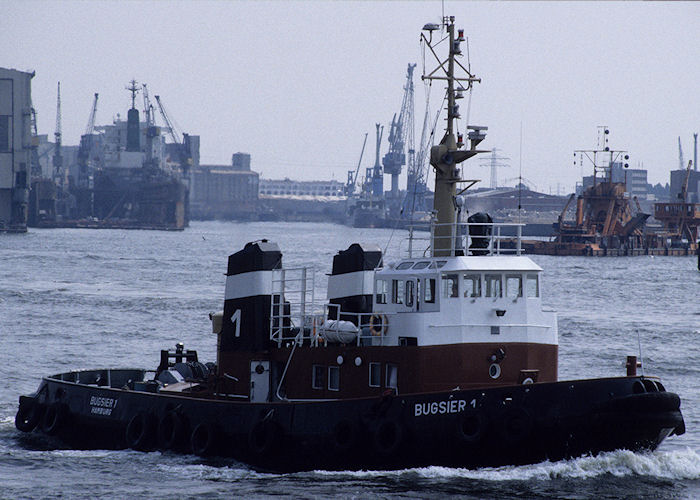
x=133, y=132
x=494, y=162
x=695, y=151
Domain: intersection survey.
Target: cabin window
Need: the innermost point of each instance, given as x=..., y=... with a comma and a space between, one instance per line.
x=397, y=291
x=533, y=286
x=392, y=375
x=493, y=285
x=333, y=378
x=429, y=291
x=382, y=290
x=421, y=265
x=317, y=376
x=514, y=286
x=409, y=293
x=438, y=264
x=404, y=265
x=472, y=285
x=375, y=375
x=450, y=285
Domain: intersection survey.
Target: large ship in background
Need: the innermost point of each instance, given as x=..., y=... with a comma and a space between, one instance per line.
x=123, y=175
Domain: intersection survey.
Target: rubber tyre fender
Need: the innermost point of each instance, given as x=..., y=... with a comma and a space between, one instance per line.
x=28, y=416
x=140, y=432
x=344, y=435
x=172, y=431
x=264, y=437
x=54, y=418
x=515, y=425
x=387, y=436
x=471, y=426
x=204, y=439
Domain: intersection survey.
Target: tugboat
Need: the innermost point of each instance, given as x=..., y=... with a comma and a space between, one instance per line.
x=445, y=357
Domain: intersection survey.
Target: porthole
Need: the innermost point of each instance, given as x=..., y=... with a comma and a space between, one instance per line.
x=494, y=370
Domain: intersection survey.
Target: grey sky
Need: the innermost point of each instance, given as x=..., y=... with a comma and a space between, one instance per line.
x=297, y=84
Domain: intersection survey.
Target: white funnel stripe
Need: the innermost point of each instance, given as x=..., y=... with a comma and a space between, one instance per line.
x=351, y=284
x=248, y=284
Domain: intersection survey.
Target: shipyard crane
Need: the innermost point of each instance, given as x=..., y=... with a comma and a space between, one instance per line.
x=148, y=107
x=57, y=157
x=174, y=133
x=86, y=145
x=352, y=177
x=683, y=195
x=35, y=169
x=401, y=136
x=181, y=144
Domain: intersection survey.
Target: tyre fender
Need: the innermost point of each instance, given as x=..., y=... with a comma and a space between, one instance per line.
x=471, y=426
x=28, y=416
x=388, y=436
x=204, y=439
x=172, y=430
x=54, y=418
x=264, y=437
x=140, y=432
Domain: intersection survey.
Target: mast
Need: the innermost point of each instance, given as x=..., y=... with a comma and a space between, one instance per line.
x=446, y=156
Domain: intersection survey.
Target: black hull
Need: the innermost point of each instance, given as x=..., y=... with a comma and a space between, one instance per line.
x=475, y=428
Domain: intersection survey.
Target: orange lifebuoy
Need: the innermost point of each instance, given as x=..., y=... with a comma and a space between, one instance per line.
x=378, y=324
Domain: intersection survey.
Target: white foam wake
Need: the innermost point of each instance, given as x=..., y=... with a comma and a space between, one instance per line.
x=679, y=464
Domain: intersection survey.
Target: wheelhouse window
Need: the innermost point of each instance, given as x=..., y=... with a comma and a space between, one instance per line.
x=472, y=285
x=493, y=285
x=532, y=286
x=317, y=372
x=397, y=291
x=382, y=290
x=404, y=265
x=429, y=296
x=409, y=293
x=514, y=286
x=333, y=378
x=421, y=265
x=450, y=285
x=392, y=376
x=375, y=375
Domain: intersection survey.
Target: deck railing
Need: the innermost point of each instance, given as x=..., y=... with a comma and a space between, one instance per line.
x=464, y=238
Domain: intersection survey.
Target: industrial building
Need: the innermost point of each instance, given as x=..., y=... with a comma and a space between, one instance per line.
x=634, y=179
x=15, y=148
x=288, y=187
x=225, y=191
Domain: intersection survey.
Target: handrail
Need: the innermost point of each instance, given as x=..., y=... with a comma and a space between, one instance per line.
x=467, y=238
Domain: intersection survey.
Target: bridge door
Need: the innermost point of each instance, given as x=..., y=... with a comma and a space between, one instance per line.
x=259, y=381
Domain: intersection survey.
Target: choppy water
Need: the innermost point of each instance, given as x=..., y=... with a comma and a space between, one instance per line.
x=92, y=298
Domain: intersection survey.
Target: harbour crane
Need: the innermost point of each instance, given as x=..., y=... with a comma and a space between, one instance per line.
x=352, y=177
x=401, y=138
x=683, y=194
x=57, y=156
x=86, y=145
x=181, y=140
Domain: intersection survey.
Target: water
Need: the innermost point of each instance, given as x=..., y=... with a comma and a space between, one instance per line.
x=74, y=299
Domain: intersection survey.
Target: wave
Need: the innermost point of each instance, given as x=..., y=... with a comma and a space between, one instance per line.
x=674, y=465
x=679, y=464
